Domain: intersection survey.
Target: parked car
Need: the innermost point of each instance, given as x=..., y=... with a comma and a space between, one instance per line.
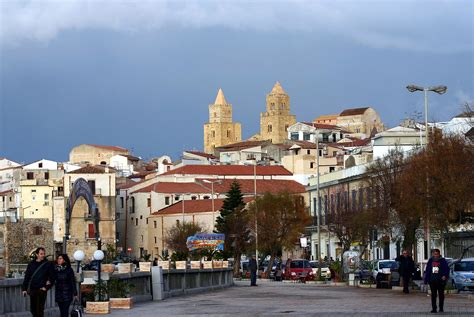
x=298, y=269
x=386, y=271
x=325, y=271
x=462, y=274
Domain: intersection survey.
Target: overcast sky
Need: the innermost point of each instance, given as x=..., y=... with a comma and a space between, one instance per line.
x=141, y=74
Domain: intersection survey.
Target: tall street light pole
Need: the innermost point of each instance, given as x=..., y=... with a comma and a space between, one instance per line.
x=212, y=198
x=439, y=90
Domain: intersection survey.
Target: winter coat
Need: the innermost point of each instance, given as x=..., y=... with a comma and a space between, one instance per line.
x=40, y=278
x=443, y=270
x=65, y=283
x=252, y=265
x=407, y=265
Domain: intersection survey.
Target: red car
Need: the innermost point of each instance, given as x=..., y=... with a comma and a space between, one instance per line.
x=298, y=269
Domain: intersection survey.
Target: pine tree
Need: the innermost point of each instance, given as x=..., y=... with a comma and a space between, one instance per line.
x=233, y=221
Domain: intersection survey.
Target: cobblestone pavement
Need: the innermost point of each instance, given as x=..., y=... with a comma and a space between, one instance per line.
x=278, y=299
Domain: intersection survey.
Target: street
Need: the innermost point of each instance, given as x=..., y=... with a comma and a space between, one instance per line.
x=276, y=298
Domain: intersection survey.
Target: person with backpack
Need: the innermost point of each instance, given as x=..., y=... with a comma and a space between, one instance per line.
x=37, y=282
x=437, y=275
x=65, y=282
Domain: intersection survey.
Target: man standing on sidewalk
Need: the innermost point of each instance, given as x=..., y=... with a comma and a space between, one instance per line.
x=437, y=275
x=253, y=271
x=407, y=268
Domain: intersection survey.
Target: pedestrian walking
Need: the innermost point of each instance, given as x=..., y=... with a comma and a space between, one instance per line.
x=65, y=282
x=407, y=268
x=437, y=274
x=37, y=282
x=253, y=266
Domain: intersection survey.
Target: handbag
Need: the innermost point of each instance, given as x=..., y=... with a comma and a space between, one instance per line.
x=77, y=310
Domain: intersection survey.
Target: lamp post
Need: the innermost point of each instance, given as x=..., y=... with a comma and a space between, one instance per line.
x=79, y=257
x=212, y=198
x=99, y=256
x=439, y=90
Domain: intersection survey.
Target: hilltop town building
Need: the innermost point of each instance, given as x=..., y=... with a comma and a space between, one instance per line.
x=220, y=130
x=95, y=154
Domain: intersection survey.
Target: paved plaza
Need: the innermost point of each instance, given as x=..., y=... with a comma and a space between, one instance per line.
x=276, y=299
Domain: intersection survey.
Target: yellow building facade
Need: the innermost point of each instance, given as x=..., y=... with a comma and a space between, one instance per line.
x=220, y=130
x=275, y=122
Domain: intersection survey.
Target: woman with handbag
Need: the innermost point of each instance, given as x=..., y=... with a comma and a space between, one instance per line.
x=65, y=282
x=37, y=282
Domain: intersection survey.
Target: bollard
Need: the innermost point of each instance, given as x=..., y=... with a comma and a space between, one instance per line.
x=157, y=282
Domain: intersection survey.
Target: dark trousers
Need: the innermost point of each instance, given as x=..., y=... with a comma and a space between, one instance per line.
x=437, y=288
x=64, y=308
x=253, y=277
x=37, y=302
x=406, y=283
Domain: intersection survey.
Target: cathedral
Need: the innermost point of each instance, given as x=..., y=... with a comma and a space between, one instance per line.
x=274, y=122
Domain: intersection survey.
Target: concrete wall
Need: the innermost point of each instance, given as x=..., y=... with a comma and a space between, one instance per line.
x=93, y=155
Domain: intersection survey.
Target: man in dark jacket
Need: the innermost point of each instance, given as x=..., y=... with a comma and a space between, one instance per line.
x=437, y=274
x=253, y=271
x=37, y=282
x=407, y=268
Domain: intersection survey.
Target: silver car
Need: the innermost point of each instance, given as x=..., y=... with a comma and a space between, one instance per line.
x=462, y=274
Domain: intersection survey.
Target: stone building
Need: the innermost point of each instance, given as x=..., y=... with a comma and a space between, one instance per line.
x=362, y=122
x=220, y=130
x=102, y=183
x=95, y=154
x=19, y=239
x=275, y=122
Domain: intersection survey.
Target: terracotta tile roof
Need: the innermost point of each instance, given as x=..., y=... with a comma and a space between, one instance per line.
x=128, y=184
x=229, y=170
x=241, y=145
x=206, y=155
x=305, y=144
x=91, y=169
x=353, y=111
x=131, y=157
x=263, y=186
x=355, y=142
x=109, y=147
x=172, y=187
x=193, y=206
x=7, y=192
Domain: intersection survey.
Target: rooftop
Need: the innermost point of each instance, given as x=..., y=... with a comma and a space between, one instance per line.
x=242, y=145
x=93, y=169
x=353, y=111
x=202, y=154
x=109, y=147
x=193, y=206
x=229, y=170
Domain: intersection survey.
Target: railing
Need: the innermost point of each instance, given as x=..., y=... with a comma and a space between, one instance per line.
x=13, y=304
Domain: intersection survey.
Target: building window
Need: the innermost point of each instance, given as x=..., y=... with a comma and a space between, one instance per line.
x=270, y=128
x=46, y=175
x=167, y=200
x=193, y=197
x=136, y=221
x=141, y=217
x=306, y=136
x=334, y=137
x=311, y=165
x=46, y=197
x=294, y=136
x=155, y=240
x=30, y=175
x=121, y=202
x=286, y=127
x=331, y=169
x=213, y=133
x=142, y=237
x=91, y=231
x=146, y=220
x=40, y=165
x=132, y=205
x=176, y=198
x=37, y=231
x=154, y=224
x=308, y=151
x=92, y=186
x=148, y=202
x=228, y=133
x=33, y=191
x=206, y=197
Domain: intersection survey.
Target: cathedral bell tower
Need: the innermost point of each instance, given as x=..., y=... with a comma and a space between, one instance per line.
x=275, y=121
x=220, y=130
